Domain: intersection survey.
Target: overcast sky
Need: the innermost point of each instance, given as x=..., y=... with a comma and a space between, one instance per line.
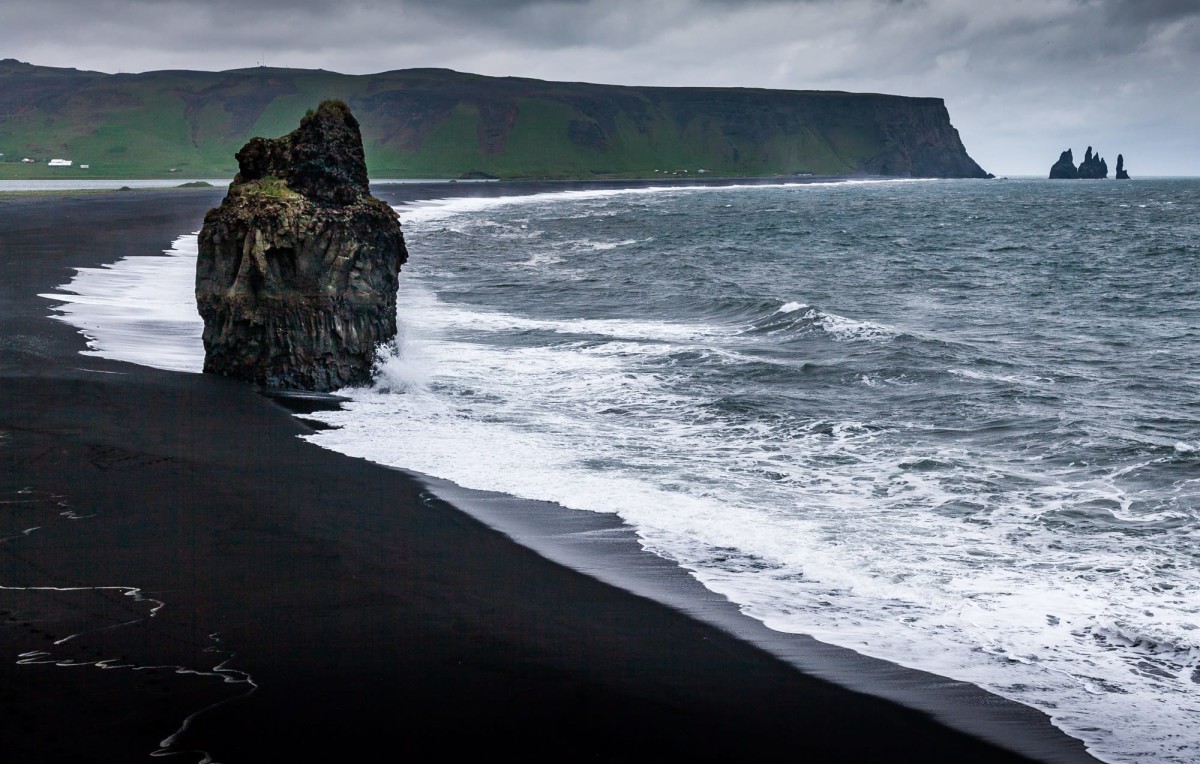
x=1023, y=79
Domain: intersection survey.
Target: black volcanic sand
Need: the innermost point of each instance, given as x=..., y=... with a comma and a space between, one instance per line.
x=322, y=608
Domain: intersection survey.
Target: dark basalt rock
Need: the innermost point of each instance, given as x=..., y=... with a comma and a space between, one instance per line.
x=1093, y=167
x=1121, y=173
x=1064, y=168
x=298, y=268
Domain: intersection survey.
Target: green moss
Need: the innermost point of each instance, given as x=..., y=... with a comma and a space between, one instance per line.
x=270, y=187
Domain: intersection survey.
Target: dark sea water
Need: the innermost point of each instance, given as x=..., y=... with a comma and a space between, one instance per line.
x=951, y=424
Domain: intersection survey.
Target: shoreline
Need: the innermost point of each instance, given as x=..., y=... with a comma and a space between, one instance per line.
x=358, y=603
x=509, y=187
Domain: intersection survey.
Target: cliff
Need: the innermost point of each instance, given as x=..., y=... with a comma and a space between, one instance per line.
x=440, y=123
x=297, y=270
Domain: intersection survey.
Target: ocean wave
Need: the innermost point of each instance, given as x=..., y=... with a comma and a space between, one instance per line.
x=1027, y=380
x=799, y=318
x=462, y=317
x=428, y=210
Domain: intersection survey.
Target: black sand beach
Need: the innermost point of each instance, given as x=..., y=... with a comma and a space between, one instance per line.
x=314, y=607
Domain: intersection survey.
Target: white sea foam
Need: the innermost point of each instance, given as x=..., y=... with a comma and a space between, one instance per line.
x=1012, y=379
x=428, y=210
x=139, y=309
x=600, y=246
x=469, y=319
x=844, y=328
x=839, y=328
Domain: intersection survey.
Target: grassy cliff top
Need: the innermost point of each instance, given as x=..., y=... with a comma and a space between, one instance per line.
x=441, y=123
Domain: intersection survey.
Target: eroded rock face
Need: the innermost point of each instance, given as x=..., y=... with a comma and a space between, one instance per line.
x=298, y=268
x=1122, y=174
x=1093, y=166
x=1064, y=168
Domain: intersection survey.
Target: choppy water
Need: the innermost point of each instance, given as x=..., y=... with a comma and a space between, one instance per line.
x=951, y=424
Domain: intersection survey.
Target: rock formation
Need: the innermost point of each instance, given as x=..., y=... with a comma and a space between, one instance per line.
x=1121, y=174
x=298, y=268
x=1093, y=167
x=1064, y=168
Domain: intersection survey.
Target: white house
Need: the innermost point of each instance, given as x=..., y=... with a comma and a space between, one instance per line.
x=60, y=162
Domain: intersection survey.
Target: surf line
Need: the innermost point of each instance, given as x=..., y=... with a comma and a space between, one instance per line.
x=218, y=671
x=42, y=657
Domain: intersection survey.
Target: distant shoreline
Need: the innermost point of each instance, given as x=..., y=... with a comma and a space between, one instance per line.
x=51, y=187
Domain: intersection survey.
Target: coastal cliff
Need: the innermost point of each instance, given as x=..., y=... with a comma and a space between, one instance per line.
x=445, y=124
x=297, y=270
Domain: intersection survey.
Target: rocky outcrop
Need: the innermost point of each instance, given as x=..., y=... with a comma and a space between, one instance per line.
x=1093, y=167
x=298, y=268
x=1064, y=168
x=1121, y=173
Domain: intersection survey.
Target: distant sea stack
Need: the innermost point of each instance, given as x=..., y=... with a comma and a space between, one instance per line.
x=1093, y=167
x=1121, y=173
x=298, y=268
x=1064, y=168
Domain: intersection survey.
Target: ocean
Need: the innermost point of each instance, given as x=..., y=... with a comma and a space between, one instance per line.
x=954, y=425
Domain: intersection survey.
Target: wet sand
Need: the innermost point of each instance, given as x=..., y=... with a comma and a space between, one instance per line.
x=176, y=564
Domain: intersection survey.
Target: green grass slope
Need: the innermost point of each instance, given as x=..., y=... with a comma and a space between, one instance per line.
x=438, y=123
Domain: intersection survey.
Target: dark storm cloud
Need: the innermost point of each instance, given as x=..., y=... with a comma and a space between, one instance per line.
x=1151, y=11
x=1023, y=78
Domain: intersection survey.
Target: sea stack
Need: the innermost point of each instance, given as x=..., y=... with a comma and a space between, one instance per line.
x=1064, y=168
x=1093, y=166
x=298, y=268
x=1122, y=174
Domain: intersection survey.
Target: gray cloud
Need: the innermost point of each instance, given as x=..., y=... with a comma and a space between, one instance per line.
x=1023, y=79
